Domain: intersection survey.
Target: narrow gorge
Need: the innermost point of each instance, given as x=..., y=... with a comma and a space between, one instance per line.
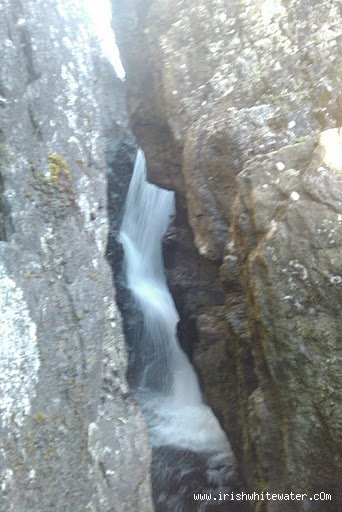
x=170, y=256
x=190, y=449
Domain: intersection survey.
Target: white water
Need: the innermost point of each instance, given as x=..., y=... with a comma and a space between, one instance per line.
x=166, y=383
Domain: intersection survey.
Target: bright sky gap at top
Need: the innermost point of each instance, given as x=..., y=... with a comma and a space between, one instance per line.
x=100, y=14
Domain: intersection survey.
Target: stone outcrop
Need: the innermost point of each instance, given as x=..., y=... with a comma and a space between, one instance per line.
x=71, y=436
x=227, y=99
x=288, y=234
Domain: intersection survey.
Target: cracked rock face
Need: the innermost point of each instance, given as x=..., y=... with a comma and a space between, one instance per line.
x=71, y=436
x=233, y=103
x=288, y=233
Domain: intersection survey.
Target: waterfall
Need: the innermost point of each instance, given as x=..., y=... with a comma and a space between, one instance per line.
x=190, y=450
x=166, y=384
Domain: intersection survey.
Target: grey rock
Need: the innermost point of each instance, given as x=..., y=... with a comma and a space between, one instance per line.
x=72, y=438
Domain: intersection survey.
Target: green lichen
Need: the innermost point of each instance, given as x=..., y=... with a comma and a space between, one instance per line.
x=3, y=149
x=40, y=418
x=302, y=138
x=30, y=443
x=55, y=187
x=303, y=95
x=336, y=78
x=59, y=173
x=18, y=465
x=4, y=153
x=50, y=452
x=58, y=168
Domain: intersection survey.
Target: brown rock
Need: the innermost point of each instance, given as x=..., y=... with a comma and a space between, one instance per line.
x=215, y=88
x=288, y=234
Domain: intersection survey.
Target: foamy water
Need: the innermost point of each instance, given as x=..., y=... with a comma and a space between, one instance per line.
x=167, y=386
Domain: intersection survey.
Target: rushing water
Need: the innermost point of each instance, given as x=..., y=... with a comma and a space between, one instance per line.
x=184, y=432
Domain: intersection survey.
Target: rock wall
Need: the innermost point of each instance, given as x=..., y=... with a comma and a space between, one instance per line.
x=288, y=234
x=228, y=99
x=71, y=436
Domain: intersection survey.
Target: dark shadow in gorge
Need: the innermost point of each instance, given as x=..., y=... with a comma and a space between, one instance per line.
x=119, y=173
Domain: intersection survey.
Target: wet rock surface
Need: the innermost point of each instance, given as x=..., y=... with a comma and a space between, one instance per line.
x=71, y=436
x=188, y=483
x=228, y=103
